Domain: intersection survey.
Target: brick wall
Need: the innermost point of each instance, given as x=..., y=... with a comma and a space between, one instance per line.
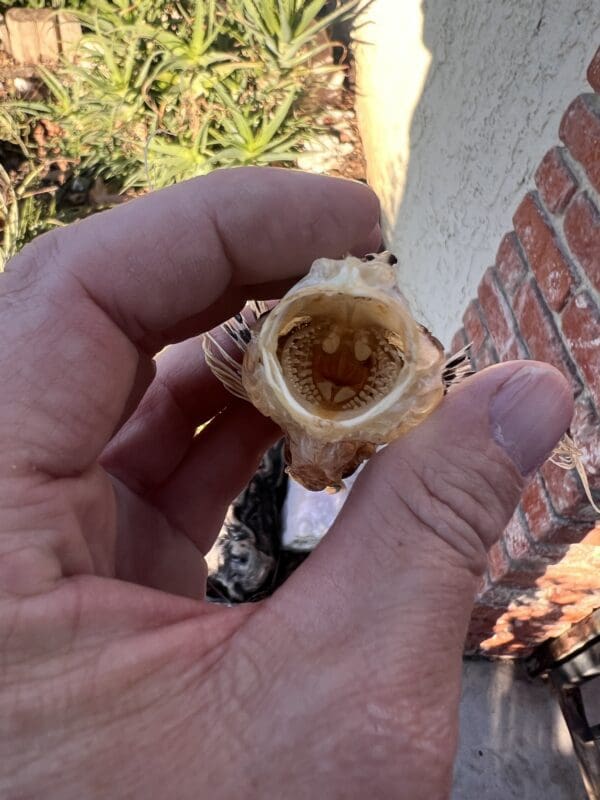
x=541, y=300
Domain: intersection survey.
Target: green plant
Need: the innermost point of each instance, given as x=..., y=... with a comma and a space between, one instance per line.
x=59, y=4
x=24, y=213
x=289, y=29
x=164, y=90
x=256, y=139
x=12, y=129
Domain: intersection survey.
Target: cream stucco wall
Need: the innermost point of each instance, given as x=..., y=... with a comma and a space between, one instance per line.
x=458, y=101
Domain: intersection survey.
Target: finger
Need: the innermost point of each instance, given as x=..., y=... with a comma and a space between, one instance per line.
x=151, y=552
x=79, y=304
x=442, y=494
x=183, y=395
x=219, y=464
x=393, y=581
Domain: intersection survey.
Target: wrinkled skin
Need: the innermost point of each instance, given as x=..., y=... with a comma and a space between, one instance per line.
x=116, y=679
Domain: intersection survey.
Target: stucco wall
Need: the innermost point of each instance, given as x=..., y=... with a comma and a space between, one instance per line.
x=458, y=101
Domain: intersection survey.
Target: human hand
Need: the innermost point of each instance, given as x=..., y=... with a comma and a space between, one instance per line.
x=114, y=681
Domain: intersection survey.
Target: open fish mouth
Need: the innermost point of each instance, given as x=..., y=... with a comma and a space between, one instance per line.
x=340, y=364
x=339, y=360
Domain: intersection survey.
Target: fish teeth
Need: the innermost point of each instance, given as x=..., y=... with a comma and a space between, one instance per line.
x=348, y=367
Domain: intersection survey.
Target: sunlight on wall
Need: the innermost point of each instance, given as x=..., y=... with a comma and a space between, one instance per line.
x=458, y=104
x=392, y=66
x=560, y=734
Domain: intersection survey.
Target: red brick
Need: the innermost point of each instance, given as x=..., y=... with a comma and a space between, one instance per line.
x=536, y=629
x=522, y=575
x=474, y=330
x=593, y=72
x=471, y=645
x=546, y=526
x=509, y=619
x=485, y=357
x=528, y=618
x=516, y=537
x=459, y=340
x=579, y=570
x=482, y=351
x=499, y=319
x=571, y=531
x=566, y=493
x=581, y=329
x=543, y=252
x=555, y=181
x=562, y=596
x=539, y=332
x=585, y=430
x=483, y=584
x=538, y=512
x=593, y=536
x=529, y=570
x=564, y=487
x=484, y=618
x=482, y=625
x=510, y=264
x=498, y=562
x=499, y=597
x=582, y=229
x=580, y=131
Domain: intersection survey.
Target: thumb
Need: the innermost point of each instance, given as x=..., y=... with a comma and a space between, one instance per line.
x=440, y=496
x=394, y=579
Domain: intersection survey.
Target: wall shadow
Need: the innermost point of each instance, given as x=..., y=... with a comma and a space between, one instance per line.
x=501, y=76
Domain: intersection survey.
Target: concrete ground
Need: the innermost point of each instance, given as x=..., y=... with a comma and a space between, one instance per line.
x=513, y=741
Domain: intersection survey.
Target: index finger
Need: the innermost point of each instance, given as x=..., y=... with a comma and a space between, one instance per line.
x=79, y=304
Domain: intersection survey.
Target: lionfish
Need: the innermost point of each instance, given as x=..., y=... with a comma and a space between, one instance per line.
x=341, y=365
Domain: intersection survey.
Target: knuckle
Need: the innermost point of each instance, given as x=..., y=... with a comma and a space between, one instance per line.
x=464, y=498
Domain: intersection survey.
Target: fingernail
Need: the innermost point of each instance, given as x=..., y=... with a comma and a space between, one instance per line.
x=529, y=414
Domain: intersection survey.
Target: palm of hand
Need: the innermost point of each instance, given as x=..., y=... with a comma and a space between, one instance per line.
x=116, y=680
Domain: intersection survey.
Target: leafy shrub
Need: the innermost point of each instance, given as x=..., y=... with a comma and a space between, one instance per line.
x=58, y=4
x=26, y=208
x=163, y=91
x=24, y=213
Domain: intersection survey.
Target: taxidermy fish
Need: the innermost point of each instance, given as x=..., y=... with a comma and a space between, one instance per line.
x=340, y=364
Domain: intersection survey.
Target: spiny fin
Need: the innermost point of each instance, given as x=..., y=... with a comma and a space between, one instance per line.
x=567, y=455
x=258, y=307
x=458, y=367
x=223, y=366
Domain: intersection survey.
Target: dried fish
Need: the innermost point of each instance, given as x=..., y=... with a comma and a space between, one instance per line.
x=340, y=364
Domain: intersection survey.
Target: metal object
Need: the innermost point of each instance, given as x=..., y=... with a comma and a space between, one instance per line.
x=568, y=662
